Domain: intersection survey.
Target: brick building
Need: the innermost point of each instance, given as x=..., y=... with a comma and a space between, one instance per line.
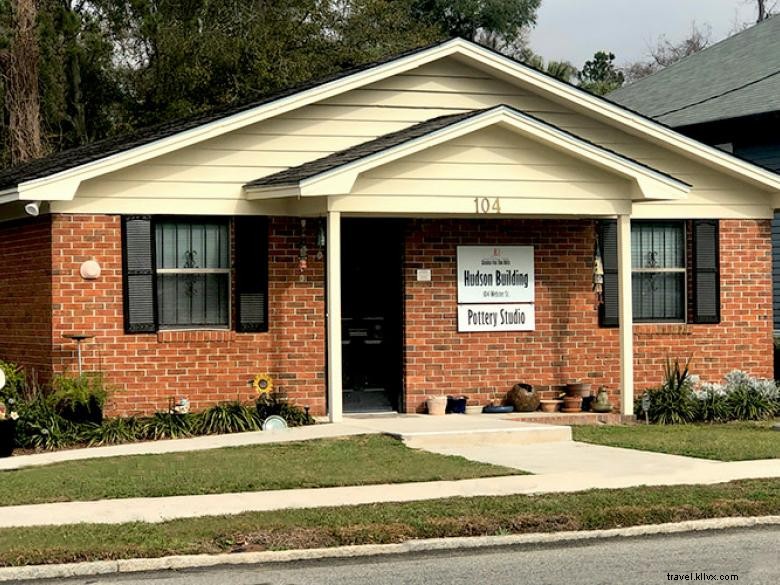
x=425, y=225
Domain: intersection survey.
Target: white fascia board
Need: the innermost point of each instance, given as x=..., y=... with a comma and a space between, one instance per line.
x=272, y=192
x=8, y=196
x=652, y=184
x=641, y=125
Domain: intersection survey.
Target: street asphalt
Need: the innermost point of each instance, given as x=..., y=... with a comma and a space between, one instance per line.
x=749, y=554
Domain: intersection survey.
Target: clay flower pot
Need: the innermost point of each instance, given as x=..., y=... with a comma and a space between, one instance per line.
x=550, y=405
x=572, y=404
x=473, y=409
x=437, y=405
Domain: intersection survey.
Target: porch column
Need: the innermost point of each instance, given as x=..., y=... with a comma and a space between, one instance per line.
x=333, y=294
x=625, y=315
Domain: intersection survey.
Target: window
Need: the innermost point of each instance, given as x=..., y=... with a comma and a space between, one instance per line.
x=177, y=273
x=658, y=271
x=664, y=287
x=193, y=273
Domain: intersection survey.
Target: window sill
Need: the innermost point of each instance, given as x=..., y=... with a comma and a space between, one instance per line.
x=195, y=335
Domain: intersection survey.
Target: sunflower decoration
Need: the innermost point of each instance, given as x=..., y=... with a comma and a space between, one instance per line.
x=263, y=384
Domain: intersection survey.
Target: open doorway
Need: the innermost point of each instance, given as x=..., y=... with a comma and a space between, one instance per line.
x=372, y=315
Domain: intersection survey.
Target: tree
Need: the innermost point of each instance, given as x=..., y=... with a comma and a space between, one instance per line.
x=599, y=74
x=498, y=23
x=764, y=11
x=665, y=53
x=20, y=76
x=562, y=70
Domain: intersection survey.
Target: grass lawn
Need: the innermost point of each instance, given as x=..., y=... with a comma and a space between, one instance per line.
x=357, y=460
x=737, y=441
x=388, y=523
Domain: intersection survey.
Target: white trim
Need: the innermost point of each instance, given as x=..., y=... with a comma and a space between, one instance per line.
x=8, y=196
x=333, y=294
x=457, y=47
x=625, y=315
x=652, y=184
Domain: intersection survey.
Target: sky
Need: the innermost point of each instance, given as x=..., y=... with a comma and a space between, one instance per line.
x=573, y=30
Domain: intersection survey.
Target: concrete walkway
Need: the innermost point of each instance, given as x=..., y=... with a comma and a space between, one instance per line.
x=561, y=466
x=401, y=426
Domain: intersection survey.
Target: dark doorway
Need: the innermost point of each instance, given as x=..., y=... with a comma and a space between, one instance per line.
x=372, y=314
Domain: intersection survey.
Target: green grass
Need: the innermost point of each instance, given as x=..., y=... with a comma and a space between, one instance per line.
x=360, y=460
x=388, y=523
x=737, y=441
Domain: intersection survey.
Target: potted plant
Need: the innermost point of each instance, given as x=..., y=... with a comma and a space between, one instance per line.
x=79, y=399
x=8, y=420
x=437, y=405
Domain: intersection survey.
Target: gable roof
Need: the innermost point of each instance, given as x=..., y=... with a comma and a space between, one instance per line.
x=58, y=177
x=739, y=76
x=348, y=163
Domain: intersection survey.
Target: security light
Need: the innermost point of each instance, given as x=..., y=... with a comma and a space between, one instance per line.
x=33, y=208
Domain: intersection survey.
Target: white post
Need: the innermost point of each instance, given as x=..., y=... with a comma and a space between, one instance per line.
x=333, y=293
x=625, y=315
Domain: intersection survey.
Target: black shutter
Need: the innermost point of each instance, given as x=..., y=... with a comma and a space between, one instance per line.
x=608, y=311
x=706, y=272
x=140, y=294
x=251, y=237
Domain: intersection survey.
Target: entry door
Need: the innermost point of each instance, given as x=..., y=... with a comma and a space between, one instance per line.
x=372, y=305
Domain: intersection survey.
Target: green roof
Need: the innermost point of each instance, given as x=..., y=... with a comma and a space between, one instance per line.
x=739, y=76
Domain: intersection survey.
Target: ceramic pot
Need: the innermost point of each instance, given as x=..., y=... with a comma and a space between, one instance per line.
x=523, y=397
x=550, y=405
x=473, y=409
x=601, y=403
x=456, y=405
x=578, y=389
x=437, y=405
x=7, y=437
x=572, y=404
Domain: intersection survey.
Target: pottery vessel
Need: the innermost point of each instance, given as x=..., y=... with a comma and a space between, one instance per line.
x=550, y=405
x=572, y=404
x=523, y=397
x=601, y=403
x=437, y=405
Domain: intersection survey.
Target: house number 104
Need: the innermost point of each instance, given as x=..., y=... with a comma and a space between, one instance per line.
x=487, y=205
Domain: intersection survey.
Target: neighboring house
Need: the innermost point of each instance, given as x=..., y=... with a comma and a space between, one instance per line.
x=421, y=226
x=727, y=95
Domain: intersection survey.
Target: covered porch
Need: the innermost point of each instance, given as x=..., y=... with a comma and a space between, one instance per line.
x=480, y=177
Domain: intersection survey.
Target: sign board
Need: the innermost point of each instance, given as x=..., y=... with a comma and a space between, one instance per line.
x=423, y=275
x=496, y=317
x=495, y=274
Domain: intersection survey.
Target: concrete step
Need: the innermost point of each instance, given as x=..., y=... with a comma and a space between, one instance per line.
x=501, y=436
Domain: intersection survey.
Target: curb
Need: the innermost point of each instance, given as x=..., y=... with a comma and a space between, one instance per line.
x=9, y=574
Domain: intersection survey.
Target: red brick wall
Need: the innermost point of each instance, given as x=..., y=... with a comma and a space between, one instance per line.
x=204, y=366
x=25, y=294
x=568, y=345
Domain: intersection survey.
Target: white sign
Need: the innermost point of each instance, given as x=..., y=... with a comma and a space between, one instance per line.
x=495, y=274
x=494, y=317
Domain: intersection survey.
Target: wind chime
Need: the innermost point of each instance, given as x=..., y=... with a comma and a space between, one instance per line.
x=598, y=273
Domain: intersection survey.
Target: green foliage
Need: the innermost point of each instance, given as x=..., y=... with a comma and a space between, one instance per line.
x=599, y=74
x=41, y=427
x=747, y=398
x=226, y=417
x=276, y=403
x=712, y=406
x=114, y=431
x=164, y=425
x=14, y=382
x=673, y=401
x=504, y=20
x=70, y=392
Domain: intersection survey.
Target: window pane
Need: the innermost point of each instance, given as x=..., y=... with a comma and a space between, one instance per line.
x=658, y=296
x=657, y=245
x=193, y=299
x=192, y=245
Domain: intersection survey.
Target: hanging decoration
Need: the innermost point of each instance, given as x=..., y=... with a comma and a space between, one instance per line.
x=303, y=253
x=320, y=238
x=598, y=273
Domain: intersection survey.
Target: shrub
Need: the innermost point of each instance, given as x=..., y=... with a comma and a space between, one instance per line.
x=113, y=431
x=226, y=417
x=749, y=398
x=40, y=427
x=165, y=425
x=711, y=403
x=276, y=403
x=80, y=399
x=672, y=402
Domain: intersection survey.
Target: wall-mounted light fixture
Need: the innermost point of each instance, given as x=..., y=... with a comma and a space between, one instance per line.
x=33, y=208
x=90, y=270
